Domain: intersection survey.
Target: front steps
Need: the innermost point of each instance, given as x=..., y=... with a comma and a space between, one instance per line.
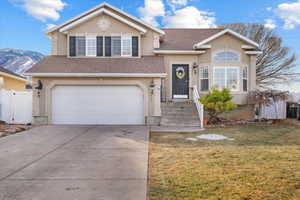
x=183, y=114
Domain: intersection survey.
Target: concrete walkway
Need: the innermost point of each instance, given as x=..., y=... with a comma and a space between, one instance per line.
x=75, y=163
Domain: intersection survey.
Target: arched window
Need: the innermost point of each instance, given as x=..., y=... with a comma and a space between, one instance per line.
x=226, y=56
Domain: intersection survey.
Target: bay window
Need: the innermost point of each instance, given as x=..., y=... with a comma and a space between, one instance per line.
x=226, y=77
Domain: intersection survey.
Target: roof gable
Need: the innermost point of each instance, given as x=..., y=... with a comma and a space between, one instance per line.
x=105, y=8
x=217, y=35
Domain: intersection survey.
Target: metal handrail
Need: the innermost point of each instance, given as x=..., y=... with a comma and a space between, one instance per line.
x=199, y=105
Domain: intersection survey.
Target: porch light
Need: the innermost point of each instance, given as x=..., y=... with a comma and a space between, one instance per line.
x=152, y=86
x=195, y=66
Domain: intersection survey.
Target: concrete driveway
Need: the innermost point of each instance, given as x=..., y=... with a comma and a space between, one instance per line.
x=75, y=163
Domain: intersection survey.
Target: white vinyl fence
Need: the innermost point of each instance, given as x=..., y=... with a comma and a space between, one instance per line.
x=15, y=107
x=275, y=110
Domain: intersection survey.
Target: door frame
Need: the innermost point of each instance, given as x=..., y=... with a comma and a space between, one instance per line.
x=188, y=80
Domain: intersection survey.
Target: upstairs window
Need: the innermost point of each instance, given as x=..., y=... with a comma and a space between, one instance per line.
x=80, y=46
x=116, y=46
x=204, y=84
x=126, y=45
x=91, y=46
x=226, y=56
x=226, y=77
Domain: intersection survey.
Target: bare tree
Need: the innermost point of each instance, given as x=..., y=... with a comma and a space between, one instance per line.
x=276, y=64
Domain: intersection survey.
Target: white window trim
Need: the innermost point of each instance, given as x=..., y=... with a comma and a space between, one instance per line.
x=129, y=37
x=123, y=35
x=87, y=37
x=200, y=78
x=226, y=68
x=225, y=50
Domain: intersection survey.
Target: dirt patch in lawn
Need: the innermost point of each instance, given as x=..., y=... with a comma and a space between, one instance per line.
x=7, y=129
x=262, y=162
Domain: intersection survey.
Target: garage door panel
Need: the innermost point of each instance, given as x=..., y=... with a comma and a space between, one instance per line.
x=97, y=105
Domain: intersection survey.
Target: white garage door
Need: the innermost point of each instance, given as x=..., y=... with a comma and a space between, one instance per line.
x=97, y=105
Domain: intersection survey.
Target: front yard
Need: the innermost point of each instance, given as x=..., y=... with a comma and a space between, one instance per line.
x=261, y=163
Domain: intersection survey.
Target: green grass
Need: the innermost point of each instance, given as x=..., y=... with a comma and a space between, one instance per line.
x=261, y=163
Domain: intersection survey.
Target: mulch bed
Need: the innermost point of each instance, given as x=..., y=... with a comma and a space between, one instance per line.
x=8, y=129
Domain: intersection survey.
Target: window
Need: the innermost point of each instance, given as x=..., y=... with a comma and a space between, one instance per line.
x=245, y=79
x=80, y=46
x=226, y=56
x=126, y=45
x=116, y=46
x=204, y=84
x=91, y=46
x=227, y=77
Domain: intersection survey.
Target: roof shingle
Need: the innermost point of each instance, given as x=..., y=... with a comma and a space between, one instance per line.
x=184, y=39
x=63, y=64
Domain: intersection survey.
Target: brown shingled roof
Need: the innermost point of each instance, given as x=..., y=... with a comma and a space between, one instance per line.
x=63, y=64
x=184, y=39
x=2, y=69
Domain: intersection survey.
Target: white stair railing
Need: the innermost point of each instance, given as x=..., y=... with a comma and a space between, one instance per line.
x=199, y=105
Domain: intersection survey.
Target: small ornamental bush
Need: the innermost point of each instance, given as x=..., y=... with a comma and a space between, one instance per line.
x=217, y=102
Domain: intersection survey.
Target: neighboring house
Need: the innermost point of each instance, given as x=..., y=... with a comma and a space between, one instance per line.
x=108, y=67
x=11, y=81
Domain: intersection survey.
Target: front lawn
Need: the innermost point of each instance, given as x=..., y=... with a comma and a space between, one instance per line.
x=261, y=163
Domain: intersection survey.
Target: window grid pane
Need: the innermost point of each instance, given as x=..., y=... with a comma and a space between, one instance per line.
x=204, y=79
x=126, y=46
x=116, y=46
x=232, y=79
x=80, y=46
x=245, y=79
x=219, y=77
x=226, y=56
x=91, y=46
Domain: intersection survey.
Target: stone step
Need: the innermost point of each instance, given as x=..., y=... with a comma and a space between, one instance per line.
x=179, y=114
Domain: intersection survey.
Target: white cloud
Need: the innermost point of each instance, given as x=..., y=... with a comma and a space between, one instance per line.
x=190, y=17
x=177, y=3
x=152, y=10
x=270, y=23
x=269, y=9
x=50, y=26
x=43, y=9
x=290, y=13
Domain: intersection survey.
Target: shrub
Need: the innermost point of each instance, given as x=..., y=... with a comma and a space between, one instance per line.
x=217, y=102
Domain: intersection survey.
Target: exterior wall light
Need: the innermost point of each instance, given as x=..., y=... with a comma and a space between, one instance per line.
x=195, y=67
x=152, y=86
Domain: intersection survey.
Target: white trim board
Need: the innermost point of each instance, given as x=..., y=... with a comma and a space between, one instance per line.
x=97, y=74
x=177, y=52
x=102, y=10
x=198, y=45
x=253, y=52
x=13, y=77
x=111, y=7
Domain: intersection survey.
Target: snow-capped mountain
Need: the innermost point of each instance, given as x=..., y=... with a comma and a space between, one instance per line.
x=18, y=61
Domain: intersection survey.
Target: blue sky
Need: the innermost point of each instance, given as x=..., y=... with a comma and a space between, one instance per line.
x=23, y=22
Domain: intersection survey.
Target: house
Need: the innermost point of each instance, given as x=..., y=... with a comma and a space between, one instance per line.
x=11, y=81
x=108, y=67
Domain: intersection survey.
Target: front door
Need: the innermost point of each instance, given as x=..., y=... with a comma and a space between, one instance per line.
x=180, y=81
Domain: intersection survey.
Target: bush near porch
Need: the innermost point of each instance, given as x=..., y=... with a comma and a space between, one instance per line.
x=262, y=162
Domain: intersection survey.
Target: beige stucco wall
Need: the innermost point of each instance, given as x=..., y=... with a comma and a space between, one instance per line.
x=226, y=42
x=42, y=98
x=8, y=83
x=147, y=43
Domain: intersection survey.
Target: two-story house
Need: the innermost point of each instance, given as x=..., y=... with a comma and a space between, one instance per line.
x=108, y=67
